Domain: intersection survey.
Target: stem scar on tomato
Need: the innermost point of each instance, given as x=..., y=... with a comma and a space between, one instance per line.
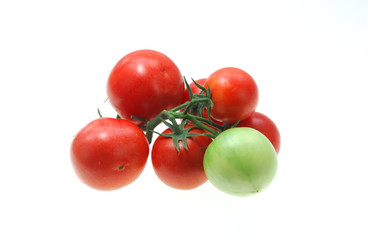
x=123, y=166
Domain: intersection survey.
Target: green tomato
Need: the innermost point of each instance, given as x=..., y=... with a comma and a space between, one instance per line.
x=240, y=161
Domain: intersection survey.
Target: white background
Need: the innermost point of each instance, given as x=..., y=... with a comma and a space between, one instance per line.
x=309, y=59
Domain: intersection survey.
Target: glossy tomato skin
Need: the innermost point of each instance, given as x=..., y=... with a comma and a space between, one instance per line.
x=240, y=161
x=109, y=153
x=234, y=94
x=143, y=83
x=266, y=126
x=181, y=171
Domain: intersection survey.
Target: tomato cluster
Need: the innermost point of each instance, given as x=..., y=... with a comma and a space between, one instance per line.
x=219, y=136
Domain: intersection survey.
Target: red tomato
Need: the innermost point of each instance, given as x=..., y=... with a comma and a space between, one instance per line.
x=266, y=126
x=184, y=170
x=143, y=83
x=194, y=88
x=109, y=153
x=234, y=94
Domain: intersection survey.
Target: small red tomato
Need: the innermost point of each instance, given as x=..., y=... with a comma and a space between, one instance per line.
x=234, y=94
x=143, y=83
x=109, y=153
x=182, y=170
x=266, y=126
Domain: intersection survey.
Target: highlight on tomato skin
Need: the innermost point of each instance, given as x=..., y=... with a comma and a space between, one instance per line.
x=109, y=153
x=143, y=83
x=234, y=94
x=266, y=126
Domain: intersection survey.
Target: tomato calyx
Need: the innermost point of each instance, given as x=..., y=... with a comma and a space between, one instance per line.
x=180, y=133
x=205, y=93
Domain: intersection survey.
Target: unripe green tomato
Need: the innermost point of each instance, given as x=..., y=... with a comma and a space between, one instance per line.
x=240, y=161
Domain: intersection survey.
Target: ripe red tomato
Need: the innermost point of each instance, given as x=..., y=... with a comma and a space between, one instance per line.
x=194, y=88
x=143, y=83
x=234, y=94
x=266, y=126
x=109, y=153
x=182, y=170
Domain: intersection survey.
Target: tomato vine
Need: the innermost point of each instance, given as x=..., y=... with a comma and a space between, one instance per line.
x=189, y=112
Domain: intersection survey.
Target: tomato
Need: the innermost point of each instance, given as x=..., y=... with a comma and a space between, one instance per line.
x=143, y=83
x=182, y=170
x=240, y=161
x=266, y=126
x=194, y=88
x=234, y=94
x=109, y=153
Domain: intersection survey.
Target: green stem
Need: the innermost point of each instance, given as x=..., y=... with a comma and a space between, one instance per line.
x=173, y=114
x=197, y=121
x=151, y=125
x=184, y=105
x=176, y=129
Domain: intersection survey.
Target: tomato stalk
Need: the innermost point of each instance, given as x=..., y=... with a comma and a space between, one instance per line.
x=198, y=122
x=189, y=111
